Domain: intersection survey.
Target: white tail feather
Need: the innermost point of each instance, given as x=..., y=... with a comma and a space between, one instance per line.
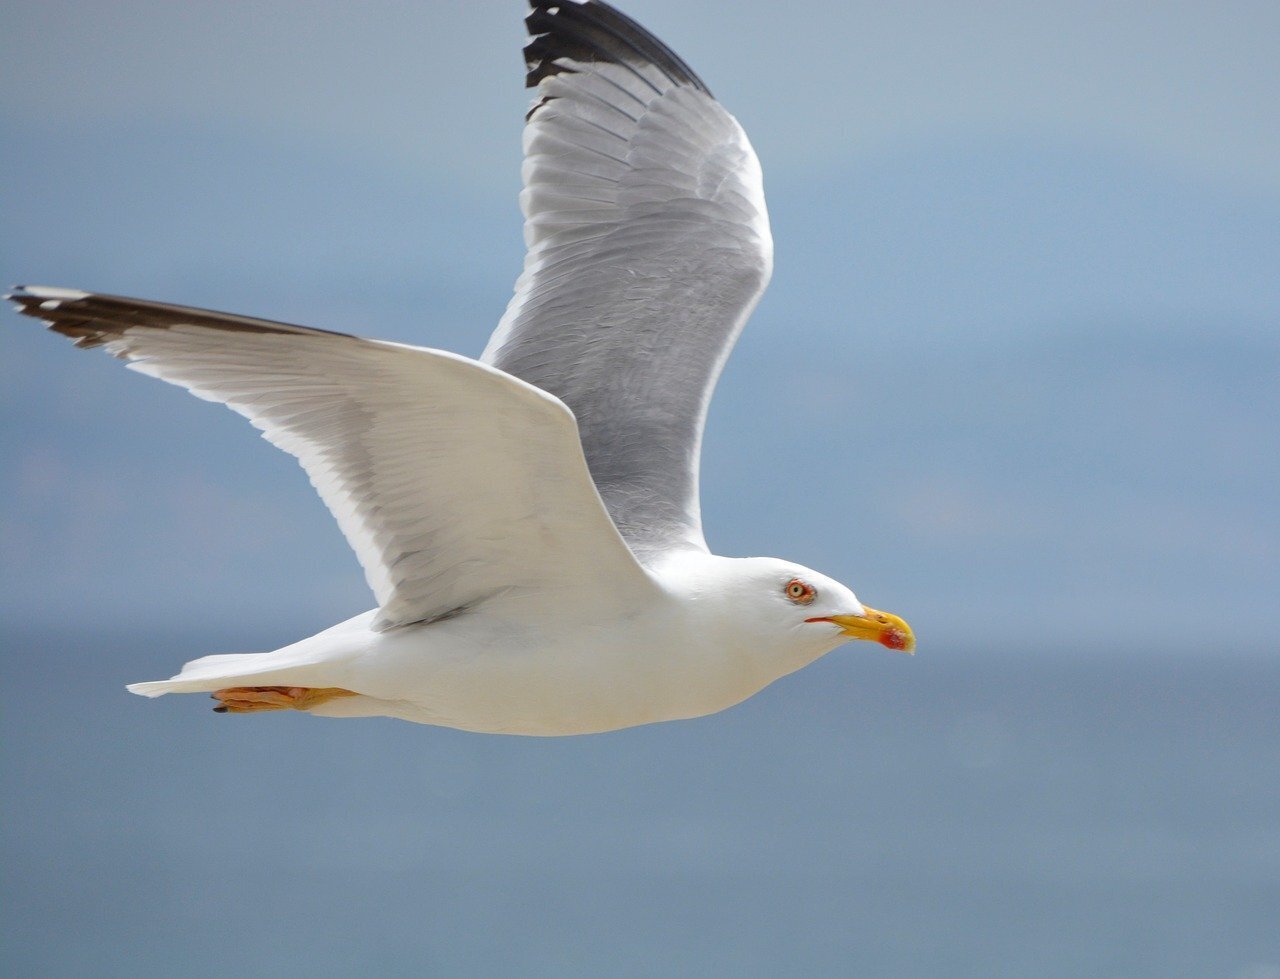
x=210, y=673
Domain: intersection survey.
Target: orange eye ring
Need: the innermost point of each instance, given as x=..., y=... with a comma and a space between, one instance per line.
x=800, y=592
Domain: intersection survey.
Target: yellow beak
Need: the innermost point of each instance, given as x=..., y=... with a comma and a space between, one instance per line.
x=882, y=627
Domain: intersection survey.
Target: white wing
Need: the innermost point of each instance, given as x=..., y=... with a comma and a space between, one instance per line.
x=452, y=481
x=649, y=246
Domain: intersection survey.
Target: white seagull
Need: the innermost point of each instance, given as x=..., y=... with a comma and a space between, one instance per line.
x=529, y=522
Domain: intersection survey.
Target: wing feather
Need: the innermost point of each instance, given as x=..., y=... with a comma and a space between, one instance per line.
x=453, y=482
x=648, y=247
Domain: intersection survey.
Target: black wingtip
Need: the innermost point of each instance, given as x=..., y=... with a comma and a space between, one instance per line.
x=26, y=303
x=92, y=319
x=594, y=31
x=62, y=310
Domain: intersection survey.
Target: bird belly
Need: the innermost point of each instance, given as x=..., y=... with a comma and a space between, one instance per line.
x=505, y=678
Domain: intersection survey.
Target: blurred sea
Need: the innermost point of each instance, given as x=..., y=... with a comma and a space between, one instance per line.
x=1115, y=813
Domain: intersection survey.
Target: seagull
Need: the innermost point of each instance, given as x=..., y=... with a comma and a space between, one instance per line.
x=529, y=522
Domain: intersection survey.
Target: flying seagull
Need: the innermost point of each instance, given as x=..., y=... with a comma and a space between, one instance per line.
x=529, y=522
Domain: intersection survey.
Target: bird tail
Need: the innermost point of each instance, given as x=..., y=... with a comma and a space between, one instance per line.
x=210, y=673
x=323, y=660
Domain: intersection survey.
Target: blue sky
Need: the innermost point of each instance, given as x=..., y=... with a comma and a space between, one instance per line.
x=1014, y=377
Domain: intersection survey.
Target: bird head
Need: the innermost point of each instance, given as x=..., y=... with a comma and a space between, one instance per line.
x=827, y=609
x=804, y=610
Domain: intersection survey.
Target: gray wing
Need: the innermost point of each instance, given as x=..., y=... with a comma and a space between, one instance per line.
x=648, y=247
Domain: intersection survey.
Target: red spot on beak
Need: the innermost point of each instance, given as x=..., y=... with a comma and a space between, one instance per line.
x=894, y=639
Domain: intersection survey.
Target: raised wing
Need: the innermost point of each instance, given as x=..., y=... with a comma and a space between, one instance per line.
x=649, y=246
x=453, y=482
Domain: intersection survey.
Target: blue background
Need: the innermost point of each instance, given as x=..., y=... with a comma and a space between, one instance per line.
x=1015, y=379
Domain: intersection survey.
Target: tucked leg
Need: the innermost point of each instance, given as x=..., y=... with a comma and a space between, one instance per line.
x=249, y=700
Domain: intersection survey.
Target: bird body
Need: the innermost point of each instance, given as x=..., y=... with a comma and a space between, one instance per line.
x=529, y=523
x=549, y=664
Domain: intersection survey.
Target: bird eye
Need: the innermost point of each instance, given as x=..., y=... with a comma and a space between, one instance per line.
x=800, y=592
